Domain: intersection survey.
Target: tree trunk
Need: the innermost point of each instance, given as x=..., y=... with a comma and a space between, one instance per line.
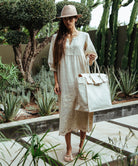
x=18, y=59
x=30, y=58
x=26, y=54
x=33, y=53
x=25, y=62
x=29, y=77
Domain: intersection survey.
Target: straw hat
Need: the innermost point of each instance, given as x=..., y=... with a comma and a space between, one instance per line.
x=69, y=11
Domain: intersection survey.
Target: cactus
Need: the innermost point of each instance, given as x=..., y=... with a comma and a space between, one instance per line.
x=101, y=33
x=127, y=3
x=134, y=61
x=129, y=34
x=90, y=3
x=113, y=27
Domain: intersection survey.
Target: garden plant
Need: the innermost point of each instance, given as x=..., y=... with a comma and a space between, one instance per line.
x=11, y=105
x=46, y=102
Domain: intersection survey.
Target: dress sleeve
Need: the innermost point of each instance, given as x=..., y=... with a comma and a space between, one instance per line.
x=50, y=57
x=89, y=48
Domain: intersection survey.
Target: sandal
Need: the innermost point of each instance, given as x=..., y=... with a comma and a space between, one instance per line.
x=68, y=158
x=82, y=156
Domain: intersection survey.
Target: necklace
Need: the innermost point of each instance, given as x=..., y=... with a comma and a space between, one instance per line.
x=73, y=34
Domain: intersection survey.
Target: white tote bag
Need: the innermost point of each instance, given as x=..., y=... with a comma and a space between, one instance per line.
x=93, y=91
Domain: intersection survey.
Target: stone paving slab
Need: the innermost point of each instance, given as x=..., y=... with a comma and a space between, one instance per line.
x=13, y=151
x=104, y=130
x=129, y=121
x=53, y=138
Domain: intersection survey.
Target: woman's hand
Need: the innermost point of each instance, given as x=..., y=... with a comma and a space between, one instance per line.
x=57, y=89
x=92, y=57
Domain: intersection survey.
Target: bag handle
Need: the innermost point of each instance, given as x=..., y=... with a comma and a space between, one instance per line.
x=95, y=66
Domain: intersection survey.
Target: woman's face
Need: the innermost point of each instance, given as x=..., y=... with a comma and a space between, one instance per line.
x=69, y=22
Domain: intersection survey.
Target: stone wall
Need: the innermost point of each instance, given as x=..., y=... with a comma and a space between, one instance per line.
x=7, y=54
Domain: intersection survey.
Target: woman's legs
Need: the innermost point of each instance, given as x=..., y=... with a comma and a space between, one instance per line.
x=82, y=138
x=68, y=143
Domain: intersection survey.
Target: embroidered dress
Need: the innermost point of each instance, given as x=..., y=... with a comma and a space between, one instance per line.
x=72, y=63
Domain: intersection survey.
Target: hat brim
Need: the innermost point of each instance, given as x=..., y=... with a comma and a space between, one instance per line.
x=78, y=15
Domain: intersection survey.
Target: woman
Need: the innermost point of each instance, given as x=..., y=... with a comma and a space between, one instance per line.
x=68, y=54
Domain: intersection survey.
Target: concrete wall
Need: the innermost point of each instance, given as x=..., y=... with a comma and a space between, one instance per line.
x=7, y=54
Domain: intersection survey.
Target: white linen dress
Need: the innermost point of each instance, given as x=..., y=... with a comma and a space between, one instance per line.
x=72, y=63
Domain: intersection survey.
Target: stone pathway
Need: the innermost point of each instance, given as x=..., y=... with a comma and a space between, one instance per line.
x=114, y=141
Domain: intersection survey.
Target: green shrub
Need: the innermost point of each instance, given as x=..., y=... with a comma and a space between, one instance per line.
x=11, y=105
x=15, y=37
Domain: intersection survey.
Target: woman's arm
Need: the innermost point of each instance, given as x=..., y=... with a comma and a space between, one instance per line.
x=56, y=88
x=90, y=50
x=92, y=58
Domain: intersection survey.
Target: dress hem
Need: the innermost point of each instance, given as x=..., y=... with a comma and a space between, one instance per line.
x=73, y=130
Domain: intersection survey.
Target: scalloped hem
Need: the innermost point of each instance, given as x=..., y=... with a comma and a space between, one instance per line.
x=75, y=130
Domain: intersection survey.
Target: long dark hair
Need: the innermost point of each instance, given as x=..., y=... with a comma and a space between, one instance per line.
x=60, y=43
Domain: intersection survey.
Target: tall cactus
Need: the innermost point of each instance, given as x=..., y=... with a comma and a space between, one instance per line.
x=134, y=61
x=91, y=4
x=130, y=27
x=127, y=3
x=114, y=29
x=101, y=33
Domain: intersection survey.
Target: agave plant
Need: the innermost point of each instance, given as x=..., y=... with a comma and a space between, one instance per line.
x=11, y=104
x=127, y=82
x=25, y=98
x=46, y=102
x=8, y=75
x=113, y=89
x=45, y=78
x=112, y=83
x=35, y=149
